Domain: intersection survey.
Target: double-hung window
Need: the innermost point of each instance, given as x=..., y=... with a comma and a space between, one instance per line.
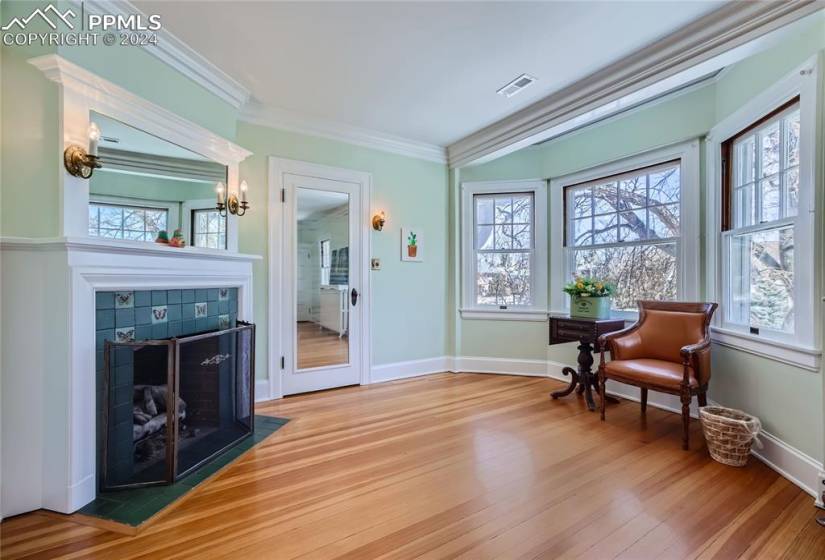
x=762, y=244
x=504, y=248
x=626, y=229
x=633, y=223
x=760, y=219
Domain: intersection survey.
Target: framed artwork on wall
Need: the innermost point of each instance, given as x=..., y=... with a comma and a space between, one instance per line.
x=411, y=250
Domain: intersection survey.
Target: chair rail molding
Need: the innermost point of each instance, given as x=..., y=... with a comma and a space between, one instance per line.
x=709, y=43
x=82, y=92
x=175, y=53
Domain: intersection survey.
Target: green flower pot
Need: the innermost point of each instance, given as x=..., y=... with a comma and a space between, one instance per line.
x=590, y=307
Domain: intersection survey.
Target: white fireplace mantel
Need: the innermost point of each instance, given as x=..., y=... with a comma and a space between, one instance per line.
x=48, y=355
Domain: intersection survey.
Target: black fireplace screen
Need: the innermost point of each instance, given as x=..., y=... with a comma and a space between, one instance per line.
x=172, y=405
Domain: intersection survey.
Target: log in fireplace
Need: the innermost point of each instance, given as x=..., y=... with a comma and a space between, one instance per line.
x=172, y=405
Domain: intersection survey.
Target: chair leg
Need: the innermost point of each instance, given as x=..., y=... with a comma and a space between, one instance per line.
x=685, y=421
x=603, y=394
x=703, y=398
x=644, y=400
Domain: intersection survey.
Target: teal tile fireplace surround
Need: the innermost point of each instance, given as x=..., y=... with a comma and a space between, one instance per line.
x=123, y=316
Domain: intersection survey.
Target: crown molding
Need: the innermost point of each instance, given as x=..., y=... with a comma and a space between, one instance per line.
x=257, y=113
x=138, y=112
x=729, y=27
x=180, y=56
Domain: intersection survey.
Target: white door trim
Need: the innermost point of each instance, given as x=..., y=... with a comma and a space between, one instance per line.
x=278, y=167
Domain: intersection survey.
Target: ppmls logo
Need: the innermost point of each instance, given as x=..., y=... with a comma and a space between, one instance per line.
x=43, y=15
x=89, y=29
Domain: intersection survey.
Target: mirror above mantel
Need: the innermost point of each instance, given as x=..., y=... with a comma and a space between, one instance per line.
x=157, y=152
x=148, y=185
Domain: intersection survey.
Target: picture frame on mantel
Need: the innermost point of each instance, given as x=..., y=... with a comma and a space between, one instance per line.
x=411, y=248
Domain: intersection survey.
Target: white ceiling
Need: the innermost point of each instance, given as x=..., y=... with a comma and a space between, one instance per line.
x=312, y=201
x=423, y=71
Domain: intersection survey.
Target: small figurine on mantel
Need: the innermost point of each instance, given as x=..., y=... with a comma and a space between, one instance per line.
x=163, y=237
x=177, y=239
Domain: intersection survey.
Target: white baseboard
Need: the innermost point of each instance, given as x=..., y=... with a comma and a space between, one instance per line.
x=796, y=466
x=507, y=366
x=411, y=368
x=262, y=390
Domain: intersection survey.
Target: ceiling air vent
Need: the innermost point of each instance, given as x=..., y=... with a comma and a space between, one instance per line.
x=523, y=81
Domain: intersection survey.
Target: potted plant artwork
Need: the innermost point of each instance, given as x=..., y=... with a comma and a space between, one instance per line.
x=412, y=248
x=589, y=297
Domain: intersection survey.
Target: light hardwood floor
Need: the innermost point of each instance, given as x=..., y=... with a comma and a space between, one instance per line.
x=461, y=466
x=319, y=347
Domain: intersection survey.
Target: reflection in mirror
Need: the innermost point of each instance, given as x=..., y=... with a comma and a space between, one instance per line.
x=322, y=278
x=148, y=185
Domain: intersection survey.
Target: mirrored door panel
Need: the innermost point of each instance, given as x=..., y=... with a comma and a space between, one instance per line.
x=322, y=278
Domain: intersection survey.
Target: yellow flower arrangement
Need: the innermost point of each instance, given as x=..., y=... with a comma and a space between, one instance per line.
x=589, y=287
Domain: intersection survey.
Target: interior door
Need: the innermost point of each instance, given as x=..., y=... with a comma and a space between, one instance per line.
x=323, y=284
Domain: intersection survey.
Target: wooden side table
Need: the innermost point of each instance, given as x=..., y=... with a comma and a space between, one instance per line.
x=564, y=328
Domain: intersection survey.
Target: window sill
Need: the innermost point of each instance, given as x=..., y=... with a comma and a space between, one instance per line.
x=795, y=355
x=504, y=314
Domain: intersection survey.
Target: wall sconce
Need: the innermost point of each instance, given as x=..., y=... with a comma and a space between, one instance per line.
x=230, y=203
x=378, y=221
x=79, y=162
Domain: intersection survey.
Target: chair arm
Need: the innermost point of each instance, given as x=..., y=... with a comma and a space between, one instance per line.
x=691, y=356
x=606, y=340
x=690, y=350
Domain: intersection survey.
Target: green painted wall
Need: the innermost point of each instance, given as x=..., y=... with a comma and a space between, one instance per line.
x=410, y=310
x=28, y=111
x=764, y=387
x=32, y=150
x=409, y=303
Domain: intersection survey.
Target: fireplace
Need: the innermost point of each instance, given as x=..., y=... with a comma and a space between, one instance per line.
x=171, y=405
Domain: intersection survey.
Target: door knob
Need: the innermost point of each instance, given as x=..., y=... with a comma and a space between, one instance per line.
x=354, y=296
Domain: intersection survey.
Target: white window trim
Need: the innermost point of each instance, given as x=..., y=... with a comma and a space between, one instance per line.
x=186, y=217
x=804, y=351
x=469, y=309
x=172, y=208
x=689, y=240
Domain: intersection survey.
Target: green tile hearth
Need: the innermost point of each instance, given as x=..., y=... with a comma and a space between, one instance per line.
x=134, y=507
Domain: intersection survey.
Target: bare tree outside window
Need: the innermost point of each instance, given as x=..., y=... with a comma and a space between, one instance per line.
x=625, y=230
x=208, y=229
x=504, y=248
x=764, y=191
x=126, y=222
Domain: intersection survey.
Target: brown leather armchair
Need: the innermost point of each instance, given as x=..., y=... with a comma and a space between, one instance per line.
x=667, y=350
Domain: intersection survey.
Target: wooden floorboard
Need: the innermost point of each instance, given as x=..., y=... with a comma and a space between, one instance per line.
x=460, y=466
x=319, y=347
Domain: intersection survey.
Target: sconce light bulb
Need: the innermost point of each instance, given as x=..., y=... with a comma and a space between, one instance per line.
x=94, y=138
x=244, y=186
x=219, y=189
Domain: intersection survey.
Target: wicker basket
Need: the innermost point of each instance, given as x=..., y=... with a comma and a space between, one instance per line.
x=729, y=434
